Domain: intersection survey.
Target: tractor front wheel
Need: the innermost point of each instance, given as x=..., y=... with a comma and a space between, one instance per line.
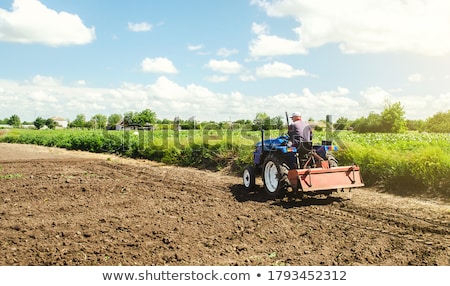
x=248, y=177
x=275, y=177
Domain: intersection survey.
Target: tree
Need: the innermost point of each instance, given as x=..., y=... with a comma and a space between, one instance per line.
x=142, y=118
x=79, y=122
x=98, y=121
x=166, y=121
x=113, y=120
x=51, y=123
x=39, y=123
x=277, y=122
x=145, y=117
x=14, y=120
x=341, y=124
x=261, y=121
x=440, y=123
x=371, y=123
x=415, y=125
x=128, y=118
x=393, y=118
x=243, y=121
x=188, y=124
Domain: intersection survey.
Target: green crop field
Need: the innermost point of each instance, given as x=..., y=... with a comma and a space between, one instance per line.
x=408, y=162
x=405, y=163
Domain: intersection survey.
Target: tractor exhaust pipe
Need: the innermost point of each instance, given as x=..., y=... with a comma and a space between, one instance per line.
x=329, y=128
x=262, y=139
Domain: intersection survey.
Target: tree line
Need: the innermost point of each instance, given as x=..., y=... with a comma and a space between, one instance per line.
x=390, y=120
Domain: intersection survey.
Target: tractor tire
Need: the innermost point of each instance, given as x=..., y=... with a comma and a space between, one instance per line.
x=248, y=177
x=275, y=177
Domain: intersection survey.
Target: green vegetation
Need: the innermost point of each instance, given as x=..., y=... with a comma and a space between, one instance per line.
x=14, y=121
x=206, y=148
x=8, y=176
x=41, y=122
x=439, y=122
x=405, y=163
x=391, y=120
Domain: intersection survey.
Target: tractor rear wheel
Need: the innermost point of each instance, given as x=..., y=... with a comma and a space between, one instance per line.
x=248, y=177
x=275, y=177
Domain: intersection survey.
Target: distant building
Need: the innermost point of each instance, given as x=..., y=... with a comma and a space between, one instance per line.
x=25, y=126
x=61, y=122
x=319, y=124
x=122, y=126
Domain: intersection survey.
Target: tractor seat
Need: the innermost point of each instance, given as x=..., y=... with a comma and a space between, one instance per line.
x=304, y=148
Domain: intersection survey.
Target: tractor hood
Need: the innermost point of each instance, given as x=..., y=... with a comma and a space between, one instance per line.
x=273, y=143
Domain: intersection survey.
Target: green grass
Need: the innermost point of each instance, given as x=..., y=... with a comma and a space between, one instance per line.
x=10, y=176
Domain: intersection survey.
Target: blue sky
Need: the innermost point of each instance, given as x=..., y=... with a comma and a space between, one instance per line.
x=223, y=59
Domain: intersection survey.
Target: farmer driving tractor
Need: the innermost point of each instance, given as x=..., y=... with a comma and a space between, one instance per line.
x=299, y=130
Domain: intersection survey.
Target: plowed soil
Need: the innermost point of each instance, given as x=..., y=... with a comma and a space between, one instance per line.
x=59, y=207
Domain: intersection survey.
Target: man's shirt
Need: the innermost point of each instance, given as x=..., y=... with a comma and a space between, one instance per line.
x=299, y=131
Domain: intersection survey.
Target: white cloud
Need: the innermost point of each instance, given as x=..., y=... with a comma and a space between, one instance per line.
x=158, y=65
x=6, y=84
x=139, y=27
x=371, y=26
x=277, y=69
x=247, y=77
x=311, y=104
x=45, y=81
x=80, y=82
x=93, y=108
x=414, y=104
x=195, y=47
x=169, y=99
x=415, y=78
x=259, y=29
x=224, y=66
x=269, y=45
x=374, y=98
x=223, y=52
x=40, y=96
x=166, y=89
x=30, y=21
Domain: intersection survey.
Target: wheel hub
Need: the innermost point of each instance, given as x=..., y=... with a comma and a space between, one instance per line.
x=246, y=178
x=271, y=177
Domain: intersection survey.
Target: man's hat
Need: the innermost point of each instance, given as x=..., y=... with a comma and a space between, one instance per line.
x=296, y=114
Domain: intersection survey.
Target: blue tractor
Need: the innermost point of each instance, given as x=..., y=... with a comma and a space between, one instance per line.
x=291, y=171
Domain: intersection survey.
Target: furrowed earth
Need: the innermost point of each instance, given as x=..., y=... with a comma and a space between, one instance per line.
x=60, y=207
